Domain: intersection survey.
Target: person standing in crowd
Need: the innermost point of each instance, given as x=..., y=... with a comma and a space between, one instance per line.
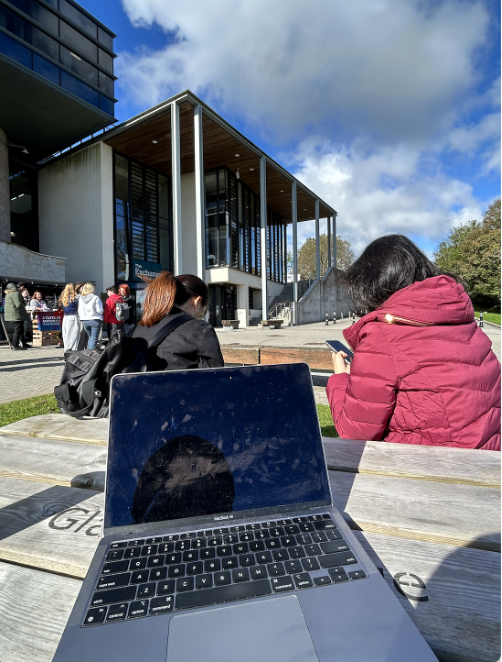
x=112, y=323
x=26, y=296
x=193, y=344
x=90, y=311
x=130, y=300
x=37, y=302
x=15, y=311
x=68, y=302
x=78, y=288
x=423, y=372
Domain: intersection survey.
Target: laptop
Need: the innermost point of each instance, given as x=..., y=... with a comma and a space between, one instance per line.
x=220, y=539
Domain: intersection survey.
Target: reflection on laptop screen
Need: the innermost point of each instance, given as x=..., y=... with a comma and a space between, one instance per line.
x=208, y=442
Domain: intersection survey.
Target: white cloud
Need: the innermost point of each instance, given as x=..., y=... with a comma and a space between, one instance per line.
x=387, y=66
x=382, y=190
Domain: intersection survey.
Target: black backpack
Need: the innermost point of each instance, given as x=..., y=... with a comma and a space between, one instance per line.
x=84, y=389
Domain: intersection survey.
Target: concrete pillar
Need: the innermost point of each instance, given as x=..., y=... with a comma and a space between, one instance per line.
x=334, y=239
x=317, y=243
x=242, y=312
x=328, y=229
x=200, y=203
x=4, y=189
x=263, y=237
x=176, y=183
x=294, y=218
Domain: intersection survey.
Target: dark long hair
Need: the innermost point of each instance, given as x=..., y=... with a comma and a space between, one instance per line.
x=387, y=265
x=167, y=291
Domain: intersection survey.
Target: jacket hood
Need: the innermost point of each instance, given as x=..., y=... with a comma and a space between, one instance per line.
x=115, y=297
x=87, y=297
x=434, y=301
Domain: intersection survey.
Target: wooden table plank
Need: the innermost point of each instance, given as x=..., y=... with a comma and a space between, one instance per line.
x=241, y=355
x=461, y=515
x=458, y=608
x=34, y=609
x=450, y=465
x=56, y=426
x=317, y=359
x=53, y=461
x=49, y=527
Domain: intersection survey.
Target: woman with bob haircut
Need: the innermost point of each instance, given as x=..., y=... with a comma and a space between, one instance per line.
x=423, y=372
x=193, y=344
x=90, y=311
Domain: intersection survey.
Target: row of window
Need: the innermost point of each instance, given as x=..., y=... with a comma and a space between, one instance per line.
x=25, y=56
x=59, y=28
x=143, y=220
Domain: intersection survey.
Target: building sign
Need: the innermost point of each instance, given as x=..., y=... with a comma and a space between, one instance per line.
x=141, y=270
x=48, y=321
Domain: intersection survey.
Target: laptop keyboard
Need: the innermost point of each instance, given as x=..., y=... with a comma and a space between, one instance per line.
x=164, y=574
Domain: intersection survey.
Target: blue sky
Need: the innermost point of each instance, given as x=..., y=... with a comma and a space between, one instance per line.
x=387, y=109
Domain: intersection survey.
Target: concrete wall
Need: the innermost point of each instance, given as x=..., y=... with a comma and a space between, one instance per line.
x=189, y=227
x=19, y=263
x=76, y=214
x=323, y=296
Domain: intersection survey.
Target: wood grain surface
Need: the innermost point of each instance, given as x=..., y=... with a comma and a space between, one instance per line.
x=317, y=359
x=53, y=461
x=450, y=513
x=49, y=527
x=452, y=594
x=451, y=465
x=56, y=426
x=31, y=631
x=241, y=355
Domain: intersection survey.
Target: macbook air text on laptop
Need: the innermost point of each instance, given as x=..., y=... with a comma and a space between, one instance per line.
x=220, y=539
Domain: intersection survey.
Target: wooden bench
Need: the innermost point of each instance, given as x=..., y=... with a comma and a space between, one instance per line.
x=428, y=517
x=230, y=324
x=271, y=324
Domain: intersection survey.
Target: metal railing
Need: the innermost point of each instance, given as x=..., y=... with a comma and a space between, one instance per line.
x=281, y=310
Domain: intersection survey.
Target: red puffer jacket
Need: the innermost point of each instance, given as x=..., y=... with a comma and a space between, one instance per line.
x=422, y=373
x=110, y=305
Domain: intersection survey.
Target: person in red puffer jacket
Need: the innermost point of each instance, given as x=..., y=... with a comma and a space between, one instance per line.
x=423, y=372
x=112, y=323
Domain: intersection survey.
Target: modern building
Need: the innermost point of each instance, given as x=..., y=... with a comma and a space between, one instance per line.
x=56, y=87
x=178, y=188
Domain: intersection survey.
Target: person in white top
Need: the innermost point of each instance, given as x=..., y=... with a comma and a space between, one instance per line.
x=90, y=312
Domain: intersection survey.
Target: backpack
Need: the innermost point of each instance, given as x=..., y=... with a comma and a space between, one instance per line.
x=122, y=311
x=84, y=389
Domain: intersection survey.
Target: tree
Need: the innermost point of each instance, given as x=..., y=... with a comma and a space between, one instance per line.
x=307, y=256
x=472, y=251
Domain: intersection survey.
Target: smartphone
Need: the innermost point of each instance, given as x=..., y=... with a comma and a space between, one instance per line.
x=337, y=346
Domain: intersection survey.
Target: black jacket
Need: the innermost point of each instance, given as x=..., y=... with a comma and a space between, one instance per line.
x=193, y=344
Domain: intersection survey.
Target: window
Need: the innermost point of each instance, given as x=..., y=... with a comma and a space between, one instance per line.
x=79, y=65
x=46, y=69
x=79, y=18
x=105, y=38
x=79, y=89
x=15, y=24
x=78, y=41
x=16, y=51
x=106, y=83
x=44, y=16
x=45, y=43
x=106, y=61
x=106, y=105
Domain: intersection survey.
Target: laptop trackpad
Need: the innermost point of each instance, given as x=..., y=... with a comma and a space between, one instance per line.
x=252, y=632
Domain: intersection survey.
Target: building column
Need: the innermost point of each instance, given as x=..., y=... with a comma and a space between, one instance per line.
x=263, y=237
x=317, y=243
x=328, y=228
x=200, y=206
x=4, y=189
x=294, y=218
x=334, y=239
x=176, y=187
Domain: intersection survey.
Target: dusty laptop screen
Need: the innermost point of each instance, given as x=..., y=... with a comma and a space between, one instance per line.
x=196, y=443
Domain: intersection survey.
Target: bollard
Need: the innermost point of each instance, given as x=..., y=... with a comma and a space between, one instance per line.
x=341, y=317
x=481, y=323
x=326, y=320
x=353, y=318
x=334, y=317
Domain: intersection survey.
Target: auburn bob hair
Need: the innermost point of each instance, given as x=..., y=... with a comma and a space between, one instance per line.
x=167, y=291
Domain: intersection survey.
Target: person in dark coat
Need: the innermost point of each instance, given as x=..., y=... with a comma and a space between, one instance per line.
x=193, y=344
x=130, y=300
x=15, y=311
x=187, y=477
x=423, y=372
x=109, y=316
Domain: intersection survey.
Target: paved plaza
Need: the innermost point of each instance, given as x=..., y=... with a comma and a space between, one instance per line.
x=38, y=370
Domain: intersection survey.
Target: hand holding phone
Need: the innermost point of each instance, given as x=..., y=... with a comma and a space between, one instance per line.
x=336, y=346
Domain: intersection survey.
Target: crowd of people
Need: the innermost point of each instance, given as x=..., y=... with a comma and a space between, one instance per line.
x=423, y=372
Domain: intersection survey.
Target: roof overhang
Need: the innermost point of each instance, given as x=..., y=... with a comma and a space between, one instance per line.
x=147, y=138
x=42, y=117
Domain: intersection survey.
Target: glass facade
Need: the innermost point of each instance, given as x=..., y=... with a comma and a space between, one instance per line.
x=23, y=205
x=78, y=56
x=143, y=217
x=233, y=228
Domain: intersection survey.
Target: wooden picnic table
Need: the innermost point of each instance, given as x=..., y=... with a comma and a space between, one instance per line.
x=428, y=517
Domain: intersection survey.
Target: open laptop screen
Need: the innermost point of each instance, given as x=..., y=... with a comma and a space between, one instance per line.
x=204, y=442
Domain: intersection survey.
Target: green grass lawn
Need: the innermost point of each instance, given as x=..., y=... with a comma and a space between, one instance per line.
x=490, y=317
x=326, y=421
x=46, y=404
x=19, y=409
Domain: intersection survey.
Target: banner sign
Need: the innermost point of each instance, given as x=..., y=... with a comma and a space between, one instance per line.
x=48, y=321
x=141, y=269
